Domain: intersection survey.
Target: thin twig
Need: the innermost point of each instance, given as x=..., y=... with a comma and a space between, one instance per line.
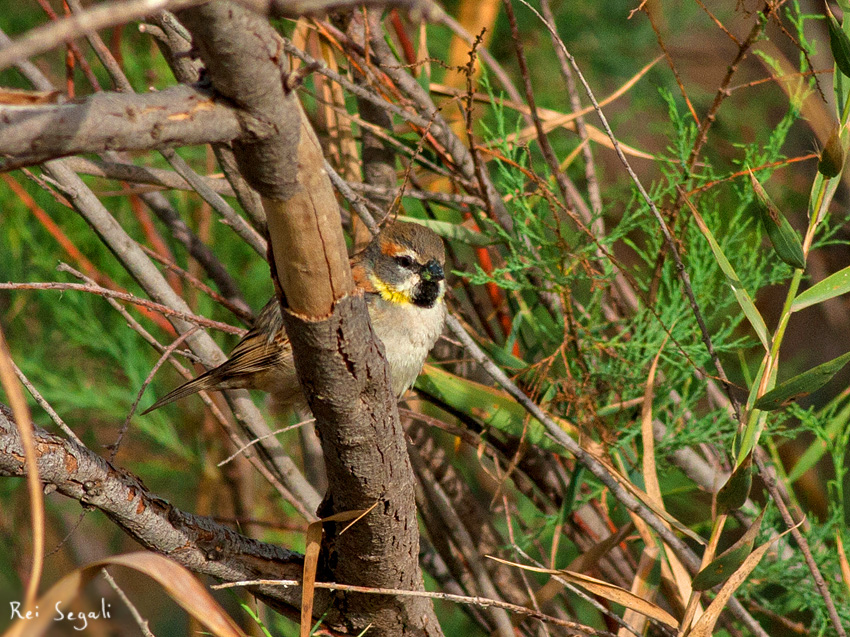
x=568, y=194
x=232, y=219
x=44, y=404
x=358, y=91
x=768, y=475
x=103, y=53
x=458, y=599
x=141, y=622
x=113, y=448
x=723, y=90
x=353, y=198
x=577, y=591
x=129, y=298
x=241, y=450
x=143, y=175
x=485, y=55
x=532, y=598
x=240, y=309
x=131, y=321
x=397, y=145
x=423, y=195
x=593, y=193
x=196, y=248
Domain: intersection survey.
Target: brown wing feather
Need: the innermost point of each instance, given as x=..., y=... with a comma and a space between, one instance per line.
x=258, y=359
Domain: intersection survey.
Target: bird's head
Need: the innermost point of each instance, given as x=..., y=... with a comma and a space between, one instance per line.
x=404, y=264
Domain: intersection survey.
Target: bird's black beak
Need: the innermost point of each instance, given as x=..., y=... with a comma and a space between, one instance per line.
x=432, y=271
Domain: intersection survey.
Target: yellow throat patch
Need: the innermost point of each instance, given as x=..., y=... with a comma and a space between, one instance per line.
x=389, y=293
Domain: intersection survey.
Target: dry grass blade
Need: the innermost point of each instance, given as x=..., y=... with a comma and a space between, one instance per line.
x=650, y=472
x=673, y=571
x=553, y=119
x=643, y=588
x=596, y=135
x=178, y=582
x=311, y=562
x=308, y=589
x=704, y=627
x=586, y=560
x=604, y=589
x=645, y=499
x=842, y=558
x=15, y=395
x=590, y=557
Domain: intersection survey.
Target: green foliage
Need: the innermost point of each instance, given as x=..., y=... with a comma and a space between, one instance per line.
x=598, y=363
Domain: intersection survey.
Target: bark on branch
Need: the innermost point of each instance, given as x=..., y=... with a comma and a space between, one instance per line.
x=339, y=362
x=198, y=543
x=178, y=116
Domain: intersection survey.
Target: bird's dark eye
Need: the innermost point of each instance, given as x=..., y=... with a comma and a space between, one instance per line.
x=404, y=261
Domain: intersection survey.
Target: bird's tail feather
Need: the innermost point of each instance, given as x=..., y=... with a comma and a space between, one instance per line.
x=202, y=382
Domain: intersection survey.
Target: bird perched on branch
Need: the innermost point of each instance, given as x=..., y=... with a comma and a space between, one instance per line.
x=401, y=273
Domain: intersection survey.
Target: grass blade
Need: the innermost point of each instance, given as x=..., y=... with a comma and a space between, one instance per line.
x=802, y=384
x=832, y=286
x=741, y=294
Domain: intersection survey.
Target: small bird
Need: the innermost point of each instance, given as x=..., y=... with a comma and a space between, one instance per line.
x=401, y=274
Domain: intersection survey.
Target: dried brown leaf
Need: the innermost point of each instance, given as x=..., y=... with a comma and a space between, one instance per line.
x=176, y=580
x=605, y=590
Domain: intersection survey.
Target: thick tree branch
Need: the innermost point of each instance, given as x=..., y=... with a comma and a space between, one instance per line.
x=196, y=542
x=178, y=116
x=339, y=362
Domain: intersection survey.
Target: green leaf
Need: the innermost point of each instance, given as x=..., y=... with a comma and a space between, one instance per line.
x=735, y=492
x=832, y=286
x=822, y=193
x=832, y=158
x=839, y=43
x=722, y=567
x=485, y=404
x=802, y=385
x=741, y=294
x=784, y=238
